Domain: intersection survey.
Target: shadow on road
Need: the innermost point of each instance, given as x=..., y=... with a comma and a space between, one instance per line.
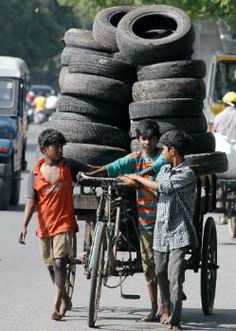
x=125, y=319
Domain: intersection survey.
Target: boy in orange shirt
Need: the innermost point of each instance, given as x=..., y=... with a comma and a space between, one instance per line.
x=50, y=187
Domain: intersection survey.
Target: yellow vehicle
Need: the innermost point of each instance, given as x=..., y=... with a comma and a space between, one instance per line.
x=221, y=79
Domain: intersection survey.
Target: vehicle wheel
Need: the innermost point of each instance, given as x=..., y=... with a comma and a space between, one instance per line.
x=96, y=273
x=209, y=266
x=173, y=69
x=5, y=192
x=72, y=52
x=173, y=32
x=165, y=108
x=23, y=160
x=83, y=39
x=91, y=107
x=70, y=272
x=103, y=66
x=207, y=163
x=92, y=86
x=15, y=188
x=89, y=133
x=169, y=88
x=105, y=24
x=232, y=226
x=190, y=125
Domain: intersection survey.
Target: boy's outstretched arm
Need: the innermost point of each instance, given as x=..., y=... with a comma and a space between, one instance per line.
x=101, y=171
x=29, y=209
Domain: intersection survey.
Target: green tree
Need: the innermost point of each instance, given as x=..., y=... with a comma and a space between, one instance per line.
x=33, y=29
x=196, y=9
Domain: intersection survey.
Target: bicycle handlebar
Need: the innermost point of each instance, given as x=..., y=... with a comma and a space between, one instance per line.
x=95, y=181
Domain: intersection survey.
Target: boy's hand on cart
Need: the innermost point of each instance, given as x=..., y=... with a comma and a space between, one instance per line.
x=128, y=181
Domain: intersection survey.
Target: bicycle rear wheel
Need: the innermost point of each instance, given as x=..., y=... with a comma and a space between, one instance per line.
x=97, y=272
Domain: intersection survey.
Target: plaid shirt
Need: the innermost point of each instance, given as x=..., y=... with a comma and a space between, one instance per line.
x=175, y=207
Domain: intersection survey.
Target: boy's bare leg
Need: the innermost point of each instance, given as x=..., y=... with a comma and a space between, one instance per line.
x=152, y=289
x=60, y=277
x=51, y=273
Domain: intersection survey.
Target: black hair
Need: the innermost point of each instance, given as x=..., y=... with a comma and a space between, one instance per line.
x=51, y=137
x=148, y=128
x=177, y=139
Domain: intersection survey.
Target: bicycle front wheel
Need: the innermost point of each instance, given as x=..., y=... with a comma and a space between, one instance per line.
x=97, y=272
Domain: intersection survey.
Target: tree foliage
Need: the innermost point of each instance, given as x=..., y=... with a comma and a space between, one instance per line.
x=196, y=9
x=32, y=29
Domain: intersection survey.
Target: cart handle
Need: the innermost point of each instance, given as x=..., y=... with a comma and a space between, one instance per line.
x=84, y=179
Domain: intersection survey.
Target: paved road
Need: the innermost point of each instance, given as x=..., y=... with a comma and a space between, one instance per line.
x=26, y=291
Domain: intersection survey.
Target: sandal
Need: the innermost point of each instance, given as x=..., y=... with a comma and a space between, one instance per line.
x=56, y=316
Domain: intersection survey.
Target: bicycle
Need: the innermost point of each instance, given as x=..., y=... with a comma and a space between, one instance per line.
x=111, y=234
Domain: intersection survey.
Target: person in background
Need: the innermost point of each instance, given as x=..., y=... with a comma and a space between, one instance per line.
x=225, y=122
x=39, y=108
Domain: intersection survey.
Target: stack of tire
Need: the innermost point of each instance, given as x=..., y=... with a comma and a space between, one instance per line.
x=158, y=40
x=96, y=89
x=98, y=72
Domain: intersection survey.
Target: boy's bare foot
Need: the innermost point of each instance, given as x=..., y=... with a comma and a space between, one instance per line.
x=56, y=316
x=152, y=317
x=66, y=304
x=164, y=316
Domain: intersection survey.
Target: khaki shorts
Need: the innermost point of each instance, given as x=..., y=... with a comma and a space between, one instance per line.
x=58, y=246
x=147, y=254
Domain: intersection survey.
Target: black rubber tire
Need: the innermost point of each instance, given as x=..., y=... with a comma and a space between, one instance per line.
x=121, y=57
x=105, y=24
x=173, y=69
x=15, y=188
x=169, y=88
x=123, y=124
x=83, y=39
x=133, y=41
x=103, y=66
x=96, y=272
x=93, y=154
x=69, y=52
x=202, y=143
x=90, y=107
x=89, y=133
x=91, y=86
x=209, y=266
x=58, y=116
x=190, y=125
x=165, y=108
x=208, y=163
x=5, y=192
x=71, y=272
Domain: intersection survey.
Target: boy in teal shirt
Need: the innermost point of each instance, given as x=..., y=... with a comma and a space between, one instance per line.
x=148, y=136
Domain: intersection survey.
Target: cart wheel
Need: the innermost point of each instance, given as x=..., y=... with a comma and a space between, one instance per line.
x=232, y=226
x=209, y=266
x=70, y=273
x=97, y=257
